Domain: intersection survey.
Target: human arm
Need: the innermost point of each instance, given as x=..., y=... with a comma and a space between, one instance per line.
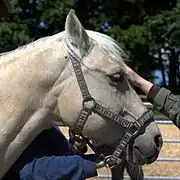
x=59, y=167
x=163, y=100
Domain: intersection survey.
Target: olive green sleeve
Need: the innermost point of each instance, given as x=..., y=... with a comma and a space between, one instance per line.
x=168, y=104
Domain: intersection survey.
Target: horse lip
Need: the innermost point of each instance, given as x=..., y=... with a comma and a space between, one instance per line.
x=150, y=159
x=147, y=159
x=138, y=161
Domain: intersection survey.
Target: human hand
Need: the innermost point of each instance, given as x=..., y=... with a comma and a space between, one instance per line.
x=132, y=76
x=100, y=165
x=78, y=143
x=137, y=80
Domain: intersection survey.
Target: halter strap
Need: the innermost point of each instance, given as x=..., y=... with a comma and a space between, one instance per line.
x=91, y=106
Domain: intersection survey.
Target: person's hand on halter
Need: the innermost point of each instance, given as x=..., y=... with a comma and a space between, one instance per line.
x=78, y=143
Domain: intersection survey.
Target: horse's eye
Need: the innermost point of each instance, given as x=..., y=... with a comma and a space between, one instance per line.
x=116, y=77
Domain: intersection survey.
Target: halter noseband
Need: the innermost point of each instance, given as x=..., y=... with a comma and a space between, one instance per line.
x=91, y=106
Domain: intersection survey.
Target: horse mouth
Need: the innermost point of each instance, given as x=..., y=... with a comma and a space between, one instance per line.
x=141, y=159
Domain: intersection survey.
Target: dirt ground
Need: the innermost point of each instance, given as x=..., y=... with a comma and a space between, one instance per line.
x=169, y=150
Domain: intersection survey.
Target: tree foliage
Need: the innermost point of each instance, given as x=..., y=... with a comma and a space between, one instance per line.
x=148, y=30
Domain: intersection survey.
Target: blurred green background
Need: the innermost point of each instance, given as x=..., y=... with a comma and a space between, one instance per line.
x=148, y=30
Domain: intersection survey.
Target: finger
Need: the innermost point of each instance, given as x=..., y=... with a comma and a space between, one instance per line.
x=100, y=165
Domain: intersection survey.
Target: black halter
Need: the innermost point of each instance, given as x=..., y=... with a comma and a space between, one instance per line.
x=91, y=106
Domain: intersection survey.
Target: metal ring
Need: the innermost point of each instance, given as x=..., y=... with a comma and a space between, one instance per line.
x=107, y=159
x=89, y=104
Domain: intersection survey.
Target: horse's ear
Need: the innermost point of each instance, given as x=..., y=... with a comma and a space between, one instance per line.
x=77, y=33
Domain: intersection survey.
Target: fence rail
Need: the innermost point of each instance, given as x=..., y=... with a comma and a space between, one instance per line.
x=146, y=177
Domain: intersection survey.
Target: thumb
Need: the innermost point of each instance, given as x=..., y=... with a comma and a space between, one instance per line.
x=100, y=165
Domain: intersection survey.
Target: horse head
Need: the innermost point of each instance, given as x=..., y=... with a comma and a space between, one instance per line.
x=102, y=63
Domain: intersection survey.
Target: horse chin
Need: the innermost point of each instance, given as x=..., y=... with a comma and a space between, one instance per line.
x=140, y=159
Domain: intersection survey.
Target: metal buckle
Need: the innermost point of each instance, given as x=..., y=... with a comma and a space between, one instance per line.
x=107, y=160
x=133, y=130
x=89, y=104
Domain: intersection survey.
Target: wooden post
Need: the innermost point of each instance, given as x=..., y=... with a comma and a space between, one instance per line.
x=4, y=8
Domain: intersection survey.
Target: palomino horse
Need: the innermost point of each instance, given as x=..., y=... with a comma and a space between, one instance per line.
x=38, y=86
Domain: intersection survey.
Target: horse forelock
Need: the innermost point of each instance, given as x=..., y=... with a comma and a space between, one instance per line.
x=109, y=45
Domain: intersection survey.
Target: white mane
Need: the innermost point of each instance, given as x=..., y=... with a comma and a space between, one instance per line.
x=106, y=42
x=108, y=45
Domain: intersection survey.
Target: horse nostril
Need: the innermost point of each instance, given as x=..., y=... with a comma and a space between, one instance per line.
x=158, y=141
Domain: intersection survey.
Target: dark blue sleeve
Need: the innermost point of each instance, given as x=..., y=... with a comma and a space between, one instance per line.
x=53, y=142
x=59, y=167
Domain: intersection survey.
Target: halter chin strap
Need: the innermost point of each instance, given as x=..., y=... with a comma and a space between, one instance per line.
x=91, y=106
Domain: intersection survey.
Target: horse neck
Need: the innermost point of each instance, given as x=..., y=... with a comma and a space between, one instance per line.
x=46, y=61
x=31, y=76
